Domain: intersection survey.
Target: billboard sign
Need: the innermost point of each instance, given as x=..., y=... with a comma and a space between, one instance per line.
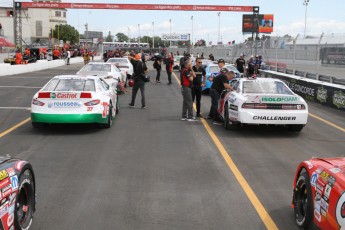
x=175, y=37
x=264, y=23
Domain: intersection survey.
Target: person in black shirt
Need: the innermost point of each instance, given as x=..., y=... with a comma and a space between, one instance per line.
x=139, y=71
x=240, y=63
x=220, y=83
x=198, y=82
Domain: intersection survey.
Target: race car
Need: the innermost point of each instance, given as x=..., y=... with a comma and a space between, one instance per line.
x=124, y=65
x=318, y=193
x=74, y=99
x=17, y=186
x=262, y=101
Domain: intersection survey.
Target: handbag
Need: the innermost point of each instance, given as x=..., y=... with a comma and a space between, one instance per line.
x=145, y=78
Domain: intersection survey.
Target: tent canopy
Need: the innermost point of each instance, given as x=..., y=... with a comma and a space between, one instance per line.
x=6, y=43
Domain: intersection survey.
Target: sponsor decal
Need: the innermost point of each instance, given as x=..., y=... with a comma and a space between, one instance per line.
x=6, y=191
x=4, y=183
x=324, y=213
x=233, y=107
x=331, y=180
x=10, y=171
x=317, y=214
x=3, y=210
x=105, y=110
x=339, y=99
x=19, y=165
x=63, y=95
x=64, y=104
x=310, y=165
x=10, y=219
x=340, y=211
x=313, y=179
x=324, y=175
x=256, y=100
x=278, y=99
x=3, y=174
x=11, y=209
x=321, y=95
x=274, y=118
x=324, y=205
x=328, y=190
x=89, y=108
x=14, y=183
x=335, y=170
x=12, y=198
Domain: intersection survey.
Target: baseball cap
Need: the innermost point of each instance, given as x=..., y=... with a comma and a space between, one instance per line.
x=221, y=60
x=137, y=56
x=224, y=70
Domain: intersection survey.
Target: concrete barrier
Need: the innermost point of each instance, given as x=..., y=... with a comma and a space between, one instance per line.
x=325, y=93
x=7, y=69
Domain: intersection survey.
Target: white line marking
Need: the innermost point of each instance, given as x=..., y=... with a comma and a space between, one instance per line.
x=18, y=86
x=23, y=108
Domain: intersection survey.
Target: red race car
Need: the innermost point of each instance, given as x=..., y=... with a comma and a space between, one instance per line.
x=319, y=193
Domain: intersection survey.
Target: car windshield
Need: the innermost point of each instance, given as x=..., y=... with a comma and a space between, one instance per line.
x=70, y=84
x=96, y=68
x=274, y=87
x=233, y=68
x=214, y=69
x=118, y=60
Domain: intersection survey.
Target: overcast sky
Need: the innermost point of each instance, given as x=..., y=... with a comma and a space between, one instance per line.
x=289, y=15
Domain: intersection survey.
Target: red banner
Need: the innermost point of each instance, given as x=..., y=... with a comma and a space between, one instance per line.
x=135, y=6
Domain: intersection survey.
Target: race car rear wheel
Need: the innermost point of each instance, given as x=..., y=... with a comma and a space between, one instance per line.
x=37, y=125
x=25, y=202
x=227, y=123
x=303, y=202
x=296, y=128
x=110, y=116
x=117, y=107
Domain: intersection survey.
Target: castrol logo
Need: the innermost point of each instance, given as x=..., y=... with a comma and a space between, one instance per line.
x=63, y=95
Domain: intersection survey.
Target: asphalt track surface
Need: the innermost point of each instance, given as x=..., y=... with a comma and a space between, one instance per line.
x=153, y=171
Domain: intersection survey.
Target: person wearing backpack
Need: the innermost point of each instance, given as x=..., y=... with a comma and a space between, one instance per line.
x=139, y=82
x=158, y=66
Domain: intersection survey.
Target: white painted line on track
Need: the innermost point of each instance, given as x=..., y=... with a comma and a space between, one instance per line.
x=19, y=86
x=20, y=108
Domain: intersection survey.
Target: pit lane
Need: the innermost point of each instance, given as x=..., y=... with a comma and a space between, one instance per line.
x=153, y=171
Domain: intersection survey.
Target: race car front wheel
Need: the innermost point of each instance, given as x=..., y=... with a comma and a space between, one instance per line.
x=25, y=202
x=296, y=128
x=303, y=203
x=227, y=124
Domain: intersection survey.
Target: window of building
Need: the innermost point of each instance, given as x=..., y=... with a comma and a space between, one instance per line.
x=39, y=28
x=64, y=14
x=57, y=13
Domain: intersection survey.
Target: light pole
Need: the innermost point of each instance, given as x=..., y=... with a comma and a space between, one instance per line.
x=192, y=28
x=306, y=2
x=139, y=34
x=219, y=27
x=170, y=33
x=153, y=35
x=129, y=35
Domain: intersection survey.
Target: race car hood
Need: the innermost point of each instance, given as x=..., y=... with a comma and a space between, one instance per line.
x=273, y=98
x=334, y=165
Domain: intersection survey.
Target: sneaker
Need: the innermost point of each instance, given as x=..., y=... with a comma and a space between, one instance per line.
x=131, y=105
x=217, y=123
x=209, y=118
x=184, y=119
x=199, y=115
x=191, y=119
x=143, y=107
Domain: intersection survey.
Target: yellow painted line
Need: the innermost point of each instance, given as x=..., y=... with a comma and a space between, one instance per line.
x=265, y=217
x=327, y=122
x=14, y=127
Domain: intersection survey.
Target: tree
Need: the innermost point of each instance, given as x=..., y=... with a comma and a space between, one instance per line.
x=109, y=38
x=121, y=37
x=66, y=33
x=201, y=42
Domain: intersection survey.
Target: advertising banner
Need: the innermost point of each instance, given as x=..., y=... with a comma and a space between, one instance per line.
x=175, y=37
x=264, y=23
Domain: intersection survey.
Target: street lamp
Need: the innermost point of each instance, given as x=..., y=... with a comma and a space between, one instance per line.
x=192, y=28
x=139, y=34
x=219, y=27
x=153, y=35
x=306, y=2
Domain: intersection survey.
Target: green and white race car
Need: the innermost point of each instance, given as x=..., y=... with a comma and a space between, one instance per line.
x=75, y=99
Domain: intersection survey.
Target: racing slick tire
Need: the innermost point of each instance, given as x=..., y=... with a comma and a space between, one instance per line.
x=227, y=124
x=117, y=107
x=25, y=201
x=296, y=128
x=303, y=201
x=37, y=125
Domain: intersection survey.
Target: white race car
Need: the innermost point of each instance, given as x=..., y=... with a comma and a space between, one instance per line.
x=74, y=99
x=124, y=65
x=262, y=101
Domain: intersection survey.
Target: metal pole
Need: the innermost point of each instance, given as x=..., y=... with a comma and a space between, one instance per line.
x=318, y=57
x=170, y=32
x=218, y=26
x=139, y=35
x=277, y=53
x=294, y=54
x=192, y=27
x=129, y=40
x=153, y=35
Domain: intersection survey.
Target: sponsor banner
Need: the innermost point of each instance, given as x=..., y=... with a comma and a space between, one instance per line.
x=175, y=37
x=64, y=104
x=135, y=6
x=63, y=95
x=323, y=94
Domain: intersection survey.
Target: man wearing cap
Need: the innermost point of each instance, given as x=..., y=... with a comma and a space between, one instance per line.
x=138, y=76
x=240, y=63
x=220, y=83
x=221, y=63
x=198, y=82
x=187, y=76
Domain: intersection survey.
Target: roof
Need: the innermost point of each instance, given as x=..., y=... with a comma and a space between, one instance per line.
x=75, y=77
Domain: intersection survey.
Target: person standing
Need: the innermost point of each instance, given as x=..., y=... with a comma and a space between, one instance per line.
x=240, y=63
x=186, y=84
x=68, y=56
x=220, y=83
x=198, y=82
x=143, y=58
x=158, y=66
x=221, y=63
x=139, y=72
x=169, y=66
